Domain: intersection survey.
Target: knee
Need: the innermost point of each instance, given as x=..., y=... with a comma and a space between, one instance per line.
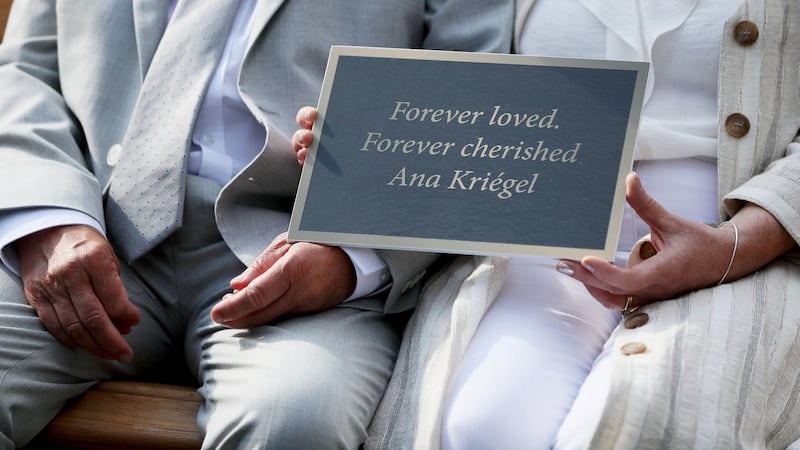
x=490, y=418
x=302, y=416
x=460, y=430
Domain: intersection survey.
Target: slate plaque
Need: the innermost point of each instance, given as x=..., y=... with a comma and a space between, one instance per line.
x=470, y=153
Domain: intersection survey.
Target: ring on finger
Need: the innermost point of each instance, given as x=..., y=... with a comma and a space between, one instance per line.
x=629, y=308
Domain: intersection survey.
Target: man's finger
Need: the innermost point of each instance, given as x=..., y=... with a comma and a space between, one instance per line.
x=72, y=325
x=109, y=289
x=102, y=337
x=259, y=317
x=259, y=295
x=263, y=262
x=306, y=117
x=49, y=318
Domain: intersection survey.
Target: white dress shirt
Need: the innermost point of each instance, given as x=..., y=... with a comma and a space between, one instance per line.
x=225, y=139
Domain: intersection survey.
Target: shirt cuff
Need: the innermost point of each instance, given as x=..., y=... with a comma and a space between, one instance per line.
x=20, y=223
x=372, y=272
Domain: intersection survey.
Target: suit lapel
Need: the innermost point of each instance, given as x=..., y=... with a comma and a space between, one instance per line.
x=251, y=72
x=523, y=8
x=150, y=19
x=282, y=168
x=265, y=10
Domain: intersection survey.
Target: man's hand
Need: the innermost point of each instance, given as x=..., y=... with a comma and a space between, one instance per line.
x=302, y=137
x=71, y=278
x=286, y=280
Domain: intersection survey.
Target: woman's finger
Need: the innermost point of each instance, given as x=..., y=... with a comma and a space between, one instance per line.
x=646, y=207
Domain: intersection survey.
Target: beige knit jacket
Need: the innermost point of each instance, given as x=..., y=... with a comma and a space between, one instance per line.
x=722, y=365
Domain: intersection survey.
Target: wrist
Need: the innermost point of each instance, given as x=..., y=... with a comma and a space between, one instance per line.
x=47, y=239
x=732, y=225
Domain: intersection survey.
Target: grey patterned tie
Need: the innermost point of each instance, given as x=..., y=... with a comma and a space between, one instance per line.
x=145, y=199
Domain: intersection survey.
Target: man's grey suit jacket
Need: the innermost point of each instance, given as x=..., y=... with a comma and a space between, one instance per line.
x=71, y=71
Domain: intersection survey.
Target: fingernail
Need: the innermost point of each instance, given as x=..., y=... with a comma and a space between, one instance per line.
x=307, y=115
x=242, y=276
x=217, y=317
x=588, y=267
x=564, y=268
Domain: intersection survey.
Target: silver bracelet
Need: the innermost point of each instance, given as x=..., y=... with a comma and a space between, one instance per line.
x=735, y=247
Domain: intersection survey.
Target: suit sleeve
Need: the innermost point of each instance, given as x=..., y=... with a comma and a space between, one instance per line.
x=775, y=190
x=42, y=159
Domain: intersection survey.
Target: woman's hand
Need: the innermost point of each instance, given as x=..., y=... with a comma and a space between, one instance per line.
x=690, y=255
x=301, y=139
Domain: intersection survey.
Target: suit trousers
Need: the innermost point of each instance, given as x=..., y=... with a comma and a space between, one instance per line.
x=305, y=382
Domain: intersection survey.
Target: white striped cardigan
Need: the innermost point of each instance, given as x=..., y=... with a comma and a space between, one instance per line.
x=722, y=366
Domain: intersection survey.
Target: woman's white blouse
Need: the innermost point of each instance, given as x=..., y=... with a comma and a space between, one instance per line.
x=680, y=38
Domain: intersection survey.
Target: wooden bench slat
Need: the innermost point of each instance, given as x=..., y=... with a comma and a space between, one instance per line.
x=157, y=390
x=127, y=415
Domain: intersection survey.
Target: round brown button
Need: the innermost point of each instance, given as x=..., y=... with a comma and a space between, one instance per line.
x=737, y=125
x=647, y=250
x=633, y=348
x=636, y=320
x=745, y=33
